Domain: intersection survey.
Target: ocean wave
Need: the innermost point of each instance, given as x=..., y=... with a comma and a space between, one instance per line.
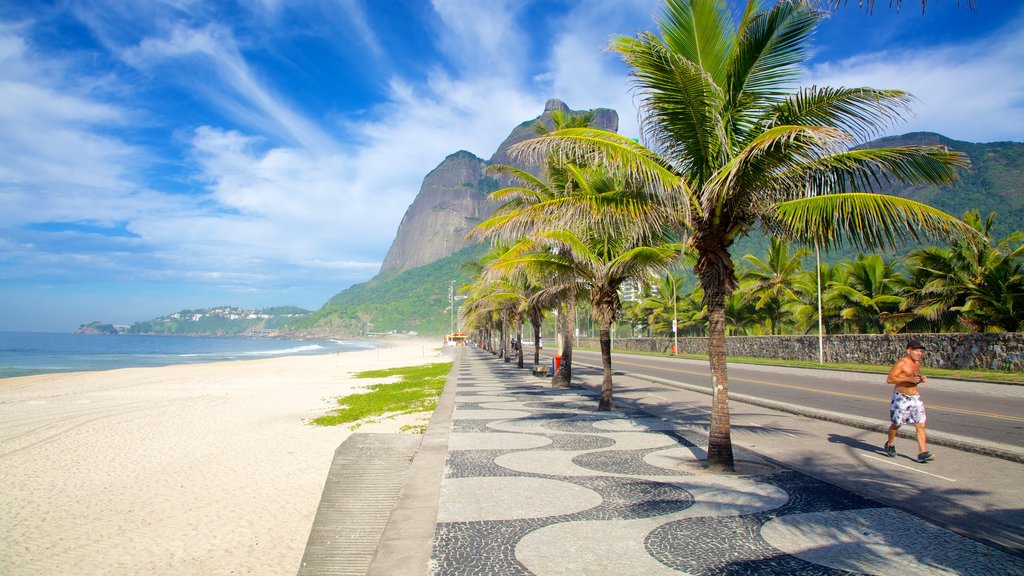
x=295, y=350
x=241, y=353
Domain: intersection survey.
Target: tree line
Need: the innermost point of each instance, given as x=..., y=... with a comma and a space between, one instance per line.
x=959, y=287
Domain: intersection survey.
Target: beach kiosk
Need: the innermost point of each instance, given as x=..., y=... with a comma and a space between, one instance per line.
x=456, y=339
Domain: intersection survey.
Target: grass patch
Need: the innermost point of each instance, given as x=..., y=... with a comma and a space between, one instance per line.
x=978, y=375
x=416, y=390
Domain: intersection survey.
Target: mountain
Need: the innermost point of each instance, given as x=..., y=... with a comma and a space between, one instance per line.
x=994, y=183
x=451, y=201
x=411, y=292
x=453, y=196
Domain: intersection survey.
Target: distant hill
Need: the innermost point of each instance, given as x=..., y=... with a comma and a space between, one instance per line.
x=96, y=328
x=995, y=182
x=221, y=321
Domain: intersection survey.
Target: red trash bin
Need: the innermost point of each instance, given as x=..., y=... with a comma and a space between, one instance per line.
x=558, y=362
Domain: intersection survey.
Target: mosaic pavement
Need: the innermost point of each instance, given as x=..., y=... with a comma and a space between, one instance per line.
x=538, y=482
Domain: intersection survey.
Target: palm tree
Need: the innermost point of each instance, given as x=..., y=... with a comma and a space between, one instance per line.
x=870, y=4
x=804, y=306
x=997, y=301
x=596, y=263
x=663, y=304
x=869, y=297
x=772, y=281
x=943, y=281
x=732, y=147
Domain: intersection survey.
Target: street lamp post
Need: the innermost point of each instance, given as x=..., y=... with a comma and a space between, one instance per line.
x=675, y=317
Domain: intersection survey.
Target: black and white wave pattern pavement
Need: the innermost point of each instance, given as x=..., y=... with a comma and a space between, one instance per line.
x=537, y=482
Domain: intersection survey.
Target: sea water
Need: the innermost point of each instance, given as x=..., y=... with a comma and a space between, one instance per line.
x=25, y=353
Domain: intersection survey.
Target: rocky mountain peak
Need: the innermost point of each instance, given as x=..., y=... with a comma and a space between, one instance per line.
x=453, y=196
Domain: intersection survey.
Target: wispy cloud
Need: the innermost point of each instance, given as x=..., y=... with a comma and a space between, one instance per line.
x=238, y=93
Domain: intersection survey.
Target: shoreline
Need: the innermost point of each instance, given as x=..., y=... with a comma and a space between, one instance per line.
x=189, y=468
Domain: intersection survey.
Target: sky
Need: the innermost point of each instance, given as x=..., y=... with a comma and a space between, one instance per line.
x=161, y=155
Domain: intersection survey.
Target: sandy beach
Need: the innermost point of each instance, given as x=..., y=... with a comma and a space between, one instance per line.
x=192, y=469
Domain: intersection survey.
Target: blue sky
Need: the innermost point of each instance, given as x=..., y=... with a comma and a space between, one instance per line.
x=162, y=155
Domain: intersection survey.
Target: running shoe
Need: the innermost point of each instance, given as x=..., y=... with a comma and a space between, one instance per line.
x=925, y=457
x=890, y=450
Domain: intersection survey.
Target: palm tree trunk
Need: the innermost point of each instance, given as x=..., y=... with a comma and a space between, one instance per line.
x=717, y=276
x=504, y=339
x=563, y=378
x=519, y=339
x=719, y=440
x=606, y=364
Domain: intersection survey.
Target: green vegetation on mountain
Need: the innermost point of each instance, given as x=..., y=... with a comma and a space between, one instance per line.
x=415, y=300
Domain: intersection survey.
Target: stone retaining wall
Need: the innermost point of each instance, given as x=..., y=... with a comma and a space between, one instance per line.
x=995, y=350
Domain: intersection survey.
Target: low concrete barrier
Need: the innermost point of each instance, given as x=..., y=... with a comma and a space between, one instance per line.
x=990, y=350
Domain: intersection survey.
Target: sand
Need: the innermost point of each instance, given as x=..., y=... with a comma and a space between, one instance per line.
x=192, y=469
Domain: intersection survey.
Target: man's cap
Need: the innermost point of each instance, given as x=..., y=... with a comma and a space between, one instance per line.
x=913, y=344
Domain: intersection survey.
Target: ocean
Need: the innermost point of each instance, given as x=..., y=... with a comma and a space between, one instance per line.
x=26, y=353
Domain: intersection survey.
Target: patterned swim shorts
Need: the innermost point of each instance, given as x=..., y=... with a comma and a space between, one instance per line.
x=906, y=409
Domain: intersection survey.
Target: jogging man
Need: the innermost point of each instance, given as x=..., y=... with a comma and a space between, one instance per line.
x=906, y=401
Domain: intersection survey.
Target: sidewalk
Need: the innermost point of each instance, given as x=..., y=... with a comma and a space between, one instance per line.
x=536, y=481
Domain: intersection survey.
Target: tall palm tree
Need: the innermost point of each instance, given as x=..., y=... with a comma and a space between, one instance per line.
x=526, y=205
x=772, y=281
x=732, y=146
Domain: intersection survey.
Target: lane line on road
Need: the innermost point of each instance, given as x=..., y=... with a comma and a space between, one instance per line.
x=912, y=469
x=845, y=394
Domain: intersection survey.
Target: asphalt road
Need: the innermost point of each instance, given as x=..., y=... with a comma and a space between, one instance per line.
x=983, y=411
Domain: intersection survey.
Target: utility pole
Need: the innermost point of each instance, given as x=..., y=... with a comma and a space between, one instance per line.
x=451, y=302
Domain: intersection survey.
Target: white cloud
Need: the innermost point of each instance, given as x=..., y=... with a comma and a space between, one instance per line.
x=55, y=145
x=481, y=38
x=972, y=92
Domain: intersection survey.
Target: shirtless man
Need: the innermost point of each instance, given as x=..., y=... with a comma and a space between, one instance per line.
x=906, y=401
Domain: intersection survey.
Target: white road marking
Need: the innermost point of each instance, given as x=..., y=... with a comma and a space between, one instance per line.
x=774, y=430
x=911, y=468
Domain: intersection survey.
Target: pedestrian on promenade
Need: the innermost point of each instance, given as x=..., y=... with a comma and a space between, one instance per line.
x=907, y=406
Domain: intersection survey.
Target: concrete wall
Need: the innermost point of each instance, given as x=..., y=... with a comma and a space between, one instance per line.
x=995, y=351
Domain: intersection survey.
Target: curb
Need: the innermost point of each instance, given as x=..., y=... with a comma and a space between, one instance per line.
x=993, y=449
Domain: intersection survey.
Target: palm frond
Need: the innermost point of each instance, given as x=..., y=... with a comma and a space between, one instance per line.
x=878, y=169
x=680, y=105
x=775, y=160
x=866, y=221
x=863, y=112
x=699, y=31
x=764, y=59
x=627, y=157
